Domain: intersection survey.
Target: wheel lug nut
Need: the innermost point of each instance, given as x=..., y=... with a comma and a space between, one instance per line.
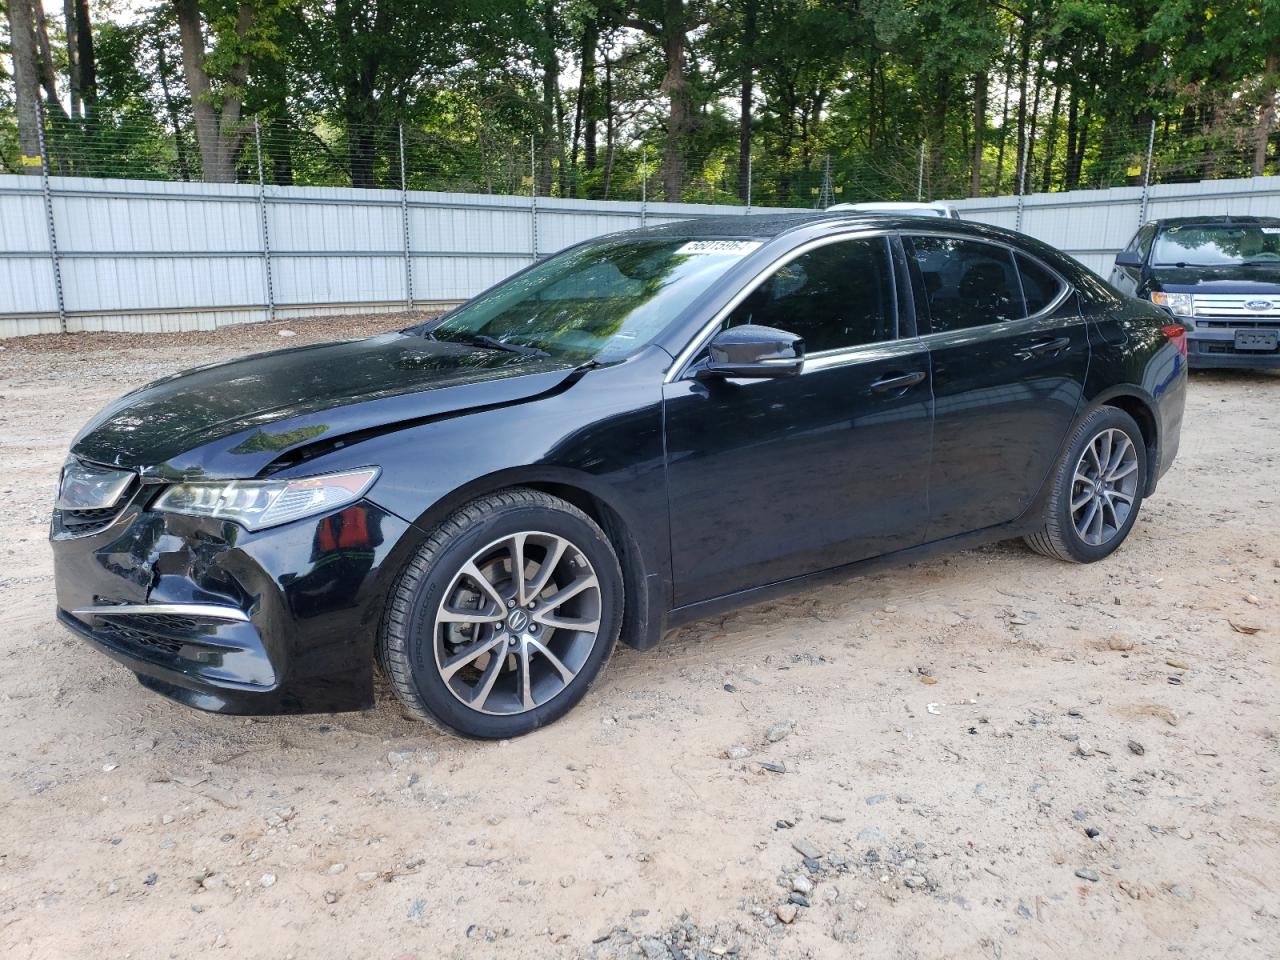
x=511, y=603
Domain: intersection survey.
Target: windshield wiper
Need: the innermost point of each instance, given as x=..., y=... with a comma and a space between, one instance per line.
x=493, y=343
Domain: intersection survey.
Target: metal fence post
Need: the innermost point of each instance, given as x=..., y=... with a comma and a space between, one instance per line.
x=920, y=175
x=748, y=183
x=47, y=190
x=404, y=222
x=266, y=232
x=533, y=197
x=644, y=187
x=1022, y=179
x=1146, y=176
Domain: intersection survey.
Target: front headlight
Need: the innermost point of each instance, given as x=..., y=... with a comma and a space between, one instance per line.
x=256, y=504
x=1179, y=304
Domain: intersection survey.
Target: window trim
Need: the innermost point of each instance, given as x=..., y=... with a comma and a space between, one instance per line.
x=684, y=358
x=1066, y=290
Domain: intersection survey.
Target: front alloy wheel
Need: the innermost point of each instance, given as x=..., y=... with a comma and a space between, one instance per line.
x=518, y=623
x=504, y=617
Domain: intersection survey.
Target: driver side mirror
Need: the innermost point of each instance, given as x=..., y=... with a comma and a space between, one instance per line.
x=755, y=352
x=1128, y=258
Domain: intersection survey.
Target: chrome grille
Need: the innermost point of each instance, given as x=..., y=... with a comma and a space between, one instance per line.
x=1237, y=306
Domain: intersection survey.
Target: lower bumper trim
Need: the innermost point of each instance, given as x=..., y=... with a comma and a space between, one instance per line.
x=208, y=611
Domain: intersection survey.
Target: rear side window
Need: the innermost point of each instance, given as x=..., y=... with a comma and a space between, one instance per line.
x=967, y=283
x=1040, y=287
x=838, y=295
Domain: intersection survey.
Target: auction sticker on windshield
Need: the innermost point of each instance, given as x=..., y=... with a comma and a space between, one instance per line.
x=732, y=248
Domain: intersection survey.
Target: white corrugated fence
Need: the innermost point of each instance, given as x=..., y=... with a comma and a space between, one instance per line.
x=160, y=256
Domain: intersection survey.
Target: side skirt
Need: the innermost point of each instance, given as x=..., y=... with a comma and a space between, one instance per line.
x=770, y=591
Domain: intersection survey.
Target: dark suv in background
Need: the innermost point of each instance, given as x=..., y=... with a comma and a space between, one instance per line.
x=1220, y=276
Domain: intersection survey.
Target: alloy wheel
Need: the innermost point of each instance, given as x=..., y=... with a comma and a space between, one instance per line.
x=1104, y=487
x=517, y=623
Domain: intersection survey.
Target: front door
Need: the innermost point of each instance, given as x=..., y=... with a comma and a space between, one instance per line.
x=1009, y=353
x=774, y=479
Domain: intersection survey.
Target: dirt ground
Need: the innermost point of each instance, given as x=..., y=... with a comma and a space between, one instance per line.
x=990, y=755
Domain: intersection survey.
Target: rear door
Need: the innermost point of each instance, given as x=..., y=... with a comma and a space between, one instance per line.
x=1009, y=353
x=773, y=479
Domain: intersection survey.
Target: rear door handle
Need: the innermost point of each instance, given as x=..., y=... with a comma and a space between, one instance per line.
x=1056, y=345
x=899, y=381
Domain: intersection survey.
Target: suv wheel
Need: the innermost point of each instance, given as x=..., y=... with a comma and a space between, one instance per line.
x=504, y=617
x=1097, y=490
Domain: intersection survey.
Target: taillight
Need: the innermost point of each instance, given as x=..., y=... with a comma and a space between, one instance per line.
x=1177, y=333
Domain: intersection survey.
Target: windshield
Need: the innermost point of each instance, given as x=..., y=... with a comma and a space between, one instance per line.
x=1212, y=245
x=598, y=301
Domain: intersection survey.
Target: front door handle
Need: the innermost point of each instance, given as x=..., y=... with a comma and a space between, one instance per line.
x=1045, y=347
x=899, y=381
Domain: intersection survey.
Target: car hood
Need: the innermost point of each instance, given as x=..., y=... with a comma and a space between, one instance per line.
x=232, y=419
x=1225, y=279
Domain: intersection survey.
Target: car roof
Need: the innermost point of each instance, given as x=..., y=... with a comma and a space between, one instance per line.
x=1212, y=219
x=767, y=226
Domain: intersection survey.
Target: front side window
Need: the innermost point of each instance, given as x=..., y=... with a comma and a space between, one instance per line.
x=967, y=283
x=835, y=296
x=1218, y=244
x=1145, y=236
x=597, y=301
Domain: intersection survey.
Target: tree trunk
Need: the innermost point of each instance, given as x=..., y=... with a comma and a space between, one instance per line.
x=217, y=131
x=26, y=75
x=676, y=86
x=1267, y=115
x=1053, y=136
x=73, y=51
x=1004, y=113
x=590, y=93
x=86, y=59
x=746, y=94
x=550, y=92
x=1030, y=152
x=979, y=128
x=1024, y=70
x=171, y=108
x=935, y=174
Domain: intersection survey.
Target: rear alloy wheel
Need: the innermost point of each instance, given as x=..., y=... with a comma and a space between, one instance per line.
x=505, y=617
x=1097, y=489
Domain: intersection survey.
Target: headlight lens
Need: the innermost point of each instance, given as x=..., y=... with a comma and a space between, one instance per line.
x=256, y=504
x=1179, y=304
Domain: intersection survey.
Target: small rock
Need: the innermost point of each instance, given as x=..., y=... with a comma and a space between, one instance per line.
x=786, y=912
x=364, y=876
x=1084, y=873
x=778, y=731
x=876, y=798
x=108, y=767
x=1136, y=748
x=167, y=819
x=915, y=881
x=267, y=880
x=801, y=884
x=151, y=879
x=567, y=881
x=1092, y=833
x=331, y=896
x=773, y=767
x=335, y=869
x=806, y=849
x=286, y=333
x=1119, y=642
x=654, y=949
x=1084, y=748
x=830, y=817
x=738, y=752
x=799, y=899
x=1177, y=664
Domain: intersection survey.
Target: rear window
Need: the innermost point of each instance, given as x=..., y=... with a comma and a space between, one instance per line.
x=1040, y=286
x=967, y=283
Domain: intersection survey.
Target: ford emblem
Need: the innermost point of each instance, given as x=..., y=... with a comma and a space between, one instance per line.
x=1259, y=305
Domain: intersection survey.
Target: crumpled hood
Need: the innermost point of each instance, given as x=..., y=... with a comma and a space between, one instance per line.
x=1232, y=278
x=232, y=419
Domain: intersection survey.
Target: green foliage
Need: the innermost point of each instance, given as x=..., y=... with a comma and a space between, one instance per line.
x=846, y=96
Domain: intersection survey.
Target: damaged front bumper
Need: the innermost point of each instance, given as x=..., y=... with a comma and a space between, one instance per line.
x=279, y=621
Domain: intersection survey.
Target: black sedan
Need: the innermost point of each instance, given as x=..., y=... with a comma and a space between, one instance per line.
x=640, y=431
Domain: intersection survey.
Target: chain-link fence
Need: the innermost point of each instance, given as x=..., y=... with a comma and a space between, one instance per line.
x=1050, y=155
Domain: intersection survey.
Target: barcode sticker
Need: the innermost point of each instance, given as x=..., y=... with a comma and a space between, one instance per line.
x=727, y=248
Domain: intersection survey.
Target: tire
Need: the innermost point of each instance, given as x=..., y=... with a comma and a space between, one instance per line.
x=1066, y=535
x=475, y=660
